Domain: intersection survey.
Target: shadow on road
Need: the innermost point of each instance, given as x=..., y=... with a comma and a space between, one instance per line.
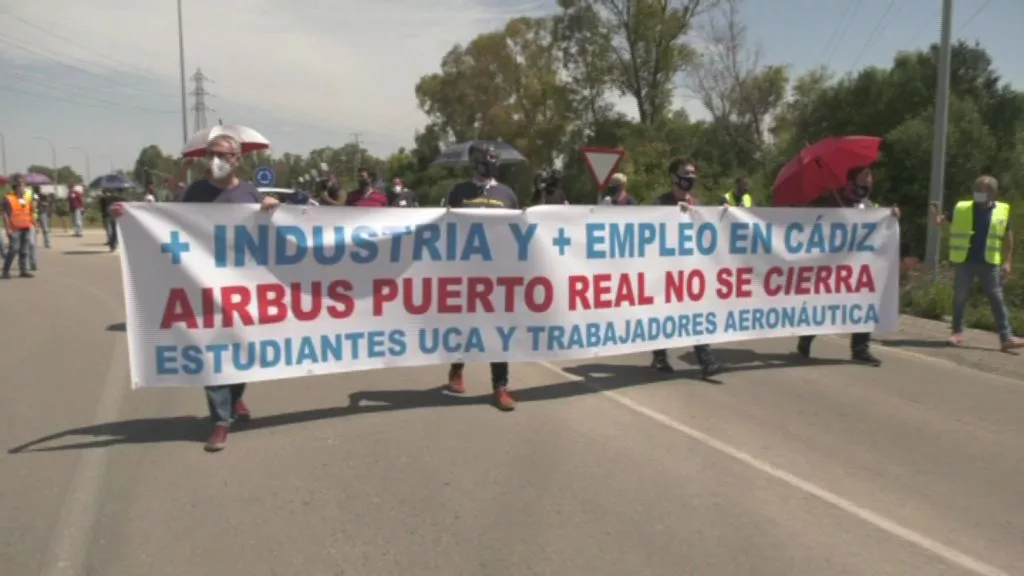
x=745, y=360
x=116, y=327
x=931, y=343
x=195, y=429
x=84, y=252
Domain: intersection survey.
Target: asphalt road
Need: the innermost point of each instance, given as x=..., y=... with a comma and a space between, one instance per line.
x=788, y=469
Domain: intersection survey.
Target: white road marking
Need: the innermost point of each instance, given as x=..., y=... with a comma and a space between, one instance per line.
x=72, y=535
x=937, y=548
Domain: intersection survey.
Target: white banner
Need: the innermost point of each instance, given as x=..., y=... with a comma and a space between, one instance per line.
x=220, y=294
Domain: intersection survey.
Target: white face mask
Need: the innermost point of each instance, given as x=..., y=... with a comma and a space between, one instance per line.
x=980, y=197
x=220, y=168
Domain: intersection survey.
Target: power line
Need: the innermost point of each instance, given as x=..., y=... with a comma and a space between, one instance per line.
x=65, y=90
x=973, y=16
x=842, y=35
x=38, y=54
x=838, y=28
x=55, y=98
x=111, y=59
x=874, y=36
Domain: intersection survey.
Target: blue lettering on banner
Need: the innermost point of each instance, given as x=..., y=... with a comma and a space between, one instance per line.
x=800, y=317
x=750, y=238
x=523, y=239
x=192, y=360
x=628, y=240
x=264, y=245
x=829, y=237
x=554, y=338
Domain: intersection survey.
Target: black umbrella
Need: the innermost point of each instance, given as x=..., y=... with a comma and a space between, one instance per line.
x=458, y=154
x=111, y=182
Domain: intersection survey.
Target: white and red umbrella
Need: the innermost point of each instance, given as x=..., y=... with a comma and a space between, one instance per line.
x=251, y=140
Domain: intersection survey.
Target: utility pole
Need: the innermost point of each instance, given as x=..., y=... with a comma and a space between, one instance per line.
x=3, y=152
x=936, y=191
x=199, y=94
x=181, y=70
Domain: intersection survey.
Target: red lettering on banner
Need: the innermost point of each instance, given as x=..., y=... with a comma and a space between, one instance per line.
x=462, y=295
x=261, y=305
x=818, y=280
x=681, y=286
x=735, y=283
x=603, y=291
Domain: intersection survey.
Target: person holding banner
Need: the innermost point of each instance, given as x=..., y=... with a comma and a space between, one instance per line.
x=224, y=154
x=367, y=195
x=684, y=177
x=856, y=194
x=483, y=191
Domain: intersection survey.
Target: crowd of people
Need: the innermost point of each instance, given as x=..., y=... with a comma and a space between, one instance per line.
x=981, y=244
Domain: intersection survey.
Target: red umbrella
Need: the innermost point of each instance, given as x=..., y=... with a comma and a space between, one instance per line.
x=822, y=167
x=3, y=180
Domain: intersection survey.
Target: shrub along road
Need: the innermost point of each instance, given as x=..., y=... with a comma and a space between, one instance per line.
x=605, y=468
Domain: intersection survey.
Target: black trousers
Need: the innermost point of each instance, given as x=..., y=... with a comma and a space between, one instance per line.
x=703, y=352
x=499, y=373
x=859, y=342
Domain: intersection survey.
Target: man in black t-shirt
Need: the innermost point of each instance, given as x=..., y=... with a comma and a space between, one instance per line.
x=107, y=199
x=856, y=195
x=401, y=196
x=547, y=189
x=684, y=177
x=483, y=191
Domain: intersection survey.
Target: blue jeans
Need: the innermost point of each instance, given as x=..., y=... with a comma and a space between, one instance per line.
x=77, y=216
x=221, y=401
x=992, y=283
x=44, y=226
x=19, y=246
x=32, y=248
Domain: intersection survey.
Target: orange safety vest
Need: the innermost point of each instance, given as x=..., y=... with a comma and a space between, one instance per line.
x=21, y=212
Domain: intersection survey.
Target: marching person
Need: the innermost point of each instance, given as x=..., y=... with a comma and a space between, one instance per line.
x=547, y=189
x=740, y=195
x=19, y=217
x=402, y=196
x=107, y=201
x=366, y=194
x=483, y=191
x=223, y=186
x=683, y=174
x=856, y=194
x=76, y=205
x=980, y=246
x=616, y=193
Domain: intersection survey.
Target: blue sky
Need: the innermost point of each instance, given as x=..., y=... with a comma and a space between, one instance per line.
x=103, y=75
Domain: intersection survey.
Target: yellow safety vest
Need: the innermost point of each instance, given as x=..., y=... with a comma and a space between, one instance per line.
x=961, y=229
x=731, y=199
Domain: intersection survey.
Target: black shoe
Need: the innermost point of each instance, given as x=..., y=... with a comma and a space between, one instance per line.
x=803, y=348
x=661, y=364
x=6, y=276
x=709, y=370
x=866, y=358
x=26, y=275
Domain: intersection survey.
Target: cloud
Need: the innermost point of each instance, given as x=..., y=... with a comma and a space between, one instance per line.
x=343, y=65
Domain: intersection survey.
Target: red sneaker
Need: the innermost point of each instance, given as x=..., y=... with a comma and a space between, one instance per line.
x=242, y=413
x=455, y=384
x=218, y=440
x=503, y=400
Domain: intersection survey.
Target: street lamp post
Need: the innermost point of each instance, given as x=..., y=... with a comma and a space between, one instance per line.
x=53, y=151
x=88, y=164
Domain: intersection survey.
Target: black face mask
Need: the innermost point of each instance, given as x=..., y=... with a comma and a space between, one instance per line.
x=861, y=192
x=614, y=190
x=685, y=182
x=487, y=169
x=743, y=189
x=364, y=183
